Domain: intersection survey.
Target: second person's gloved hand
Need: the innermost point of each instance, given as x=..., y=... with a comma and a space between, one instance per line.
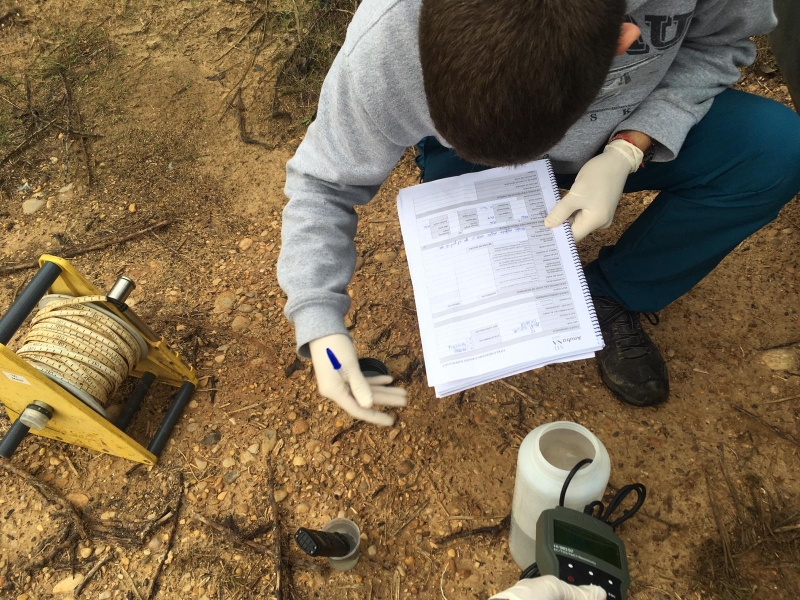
x=347, y=386
x=594, y=196
x=549, y=587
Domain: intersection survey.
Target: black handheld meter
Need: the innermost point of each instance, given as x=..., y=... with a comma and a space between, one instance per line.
x=581, y=550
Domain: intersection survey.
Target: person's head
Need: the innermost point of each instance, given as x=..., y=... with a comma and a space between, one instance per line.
x=505, y=79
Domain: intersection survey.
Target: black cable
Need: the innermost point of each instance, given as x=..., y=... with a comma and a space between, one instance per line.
x=619, y=497
x=531, y=572
x=567, y=481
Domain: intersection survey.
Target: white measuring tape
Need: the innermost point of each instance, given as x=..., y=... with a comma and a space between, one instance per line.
x=85, y=348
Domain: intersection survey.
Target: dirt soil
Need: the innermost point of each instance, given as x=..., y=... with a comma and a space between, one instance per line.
x=118, y=115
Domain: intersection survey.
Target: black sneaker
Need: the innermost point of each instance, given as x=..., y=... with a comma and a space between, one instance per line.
x=630, y=364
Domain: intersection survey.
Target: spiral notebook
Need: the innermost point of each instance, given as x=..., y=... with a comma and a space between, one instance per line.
x=497, y=293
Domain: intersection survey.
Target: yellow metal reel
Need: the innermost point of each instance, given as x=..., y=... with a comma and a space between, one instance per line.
x=73, y=421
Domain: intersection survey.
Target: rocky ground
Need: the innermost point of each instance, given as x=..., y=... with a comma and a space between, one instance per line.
x=199, y=105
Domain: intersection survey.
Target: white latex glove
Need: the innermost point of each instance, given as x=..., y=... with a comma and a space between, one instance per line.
x=594, y=196
x=348, y=387
x=549, y=587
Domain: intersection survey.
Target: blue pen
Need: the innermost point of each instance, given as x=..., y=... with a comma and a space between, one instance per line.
x=337, y=366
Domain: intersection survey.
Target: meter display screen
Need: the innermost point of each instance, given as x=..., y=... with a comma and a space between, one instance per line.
x=587, y=542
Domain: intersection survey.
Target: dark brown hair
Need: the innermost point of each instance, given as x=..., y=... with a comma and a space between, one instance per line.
x=505, y=79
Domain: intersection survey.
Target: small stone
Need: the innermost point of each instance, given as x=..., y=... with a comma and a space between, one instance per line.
x=464, y=573
x=298, y=461
x=372, y=550
x=479, y=418
x=393, y=434
x=200, y=463
x=245, y=308
x=230, y=477
x=302, y=508
x=366, y=458
x=781, y=359
x=132, y=208
x=253, y=448
x=31, y=205
x=224, y=302
x=212, y=438
x=151, y=44
x=219, y=359
x=192, y=427
x=299, y=427
x=280, y=495
x=451, y=553
x=240, y=323
x=405, y=467
x=222, y=495
x=385, y=258
x=270, y=440
x=65, y=586
x=245, y=244
x=78, y=500
x=54, y=159
x=292, y=416
x=108, y=515
x=350, y=475
x=85, y=552
x=104, y=595
x=155, y=544
x=66, y=192
x=246, y=457
x=228, y=462
x=401, y=568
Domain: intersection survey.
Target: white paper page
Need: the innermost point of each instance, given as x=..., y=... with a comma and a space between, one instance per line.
x=493, y=287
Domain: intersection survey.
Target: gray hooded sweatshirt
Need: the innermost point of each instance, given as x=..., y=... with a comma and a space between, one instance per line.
x=372, y=107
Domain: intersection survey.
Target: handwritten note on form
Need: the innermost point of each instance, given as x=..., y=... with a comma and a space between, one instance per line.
x=497, y=293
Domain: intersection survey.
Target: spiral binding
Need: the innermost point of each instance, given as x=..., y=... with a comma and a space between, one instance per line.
x=587, y=295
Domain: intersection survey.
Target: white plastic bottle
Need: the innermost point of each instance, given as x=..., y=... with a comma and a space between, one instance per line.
x=546, y=456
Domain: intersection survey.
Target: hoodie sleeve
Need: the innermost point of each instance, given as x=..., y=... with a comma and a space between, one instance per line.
x=716, y=45
x=340, y=164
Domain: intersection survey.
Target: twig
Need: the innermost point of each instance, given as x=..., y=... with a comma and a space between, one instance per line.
x=49, y=493
x=68, y=96
x=90, y=574
x=492, y=530
x=152, y=589
x=213, y=390
x=730, y=565
x=776, y=430
x=244, y=35
x=154, y=524
x=232, y=536
x=786, y=528
x=242, y=129
x=411, y=518
x=248, y=407
x=276, y=534
x=355, y=426
x=25, y=143
x=81, y=251
x=132, y=583
x=779, y=400
x=441, y=579
x=516, y=389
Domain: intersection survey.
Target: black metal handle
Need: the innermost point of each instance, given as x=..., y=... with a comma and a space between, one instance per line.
x=171, y=418
x=322, y=543
x=135, y=401
x=27, y=300
x=12, y=438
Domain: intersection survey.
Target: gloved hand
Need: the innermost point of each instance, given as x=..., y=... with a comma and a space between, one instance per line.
x=348, y=387
x=594, y=196
x=549, y=587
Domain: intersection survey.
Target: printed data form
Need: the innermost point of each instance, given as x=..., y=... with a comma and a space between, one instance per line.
x=497, y=293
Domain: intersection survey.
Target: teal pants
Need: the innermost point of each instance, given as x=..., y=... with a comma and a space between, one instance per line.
x=738, y=167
